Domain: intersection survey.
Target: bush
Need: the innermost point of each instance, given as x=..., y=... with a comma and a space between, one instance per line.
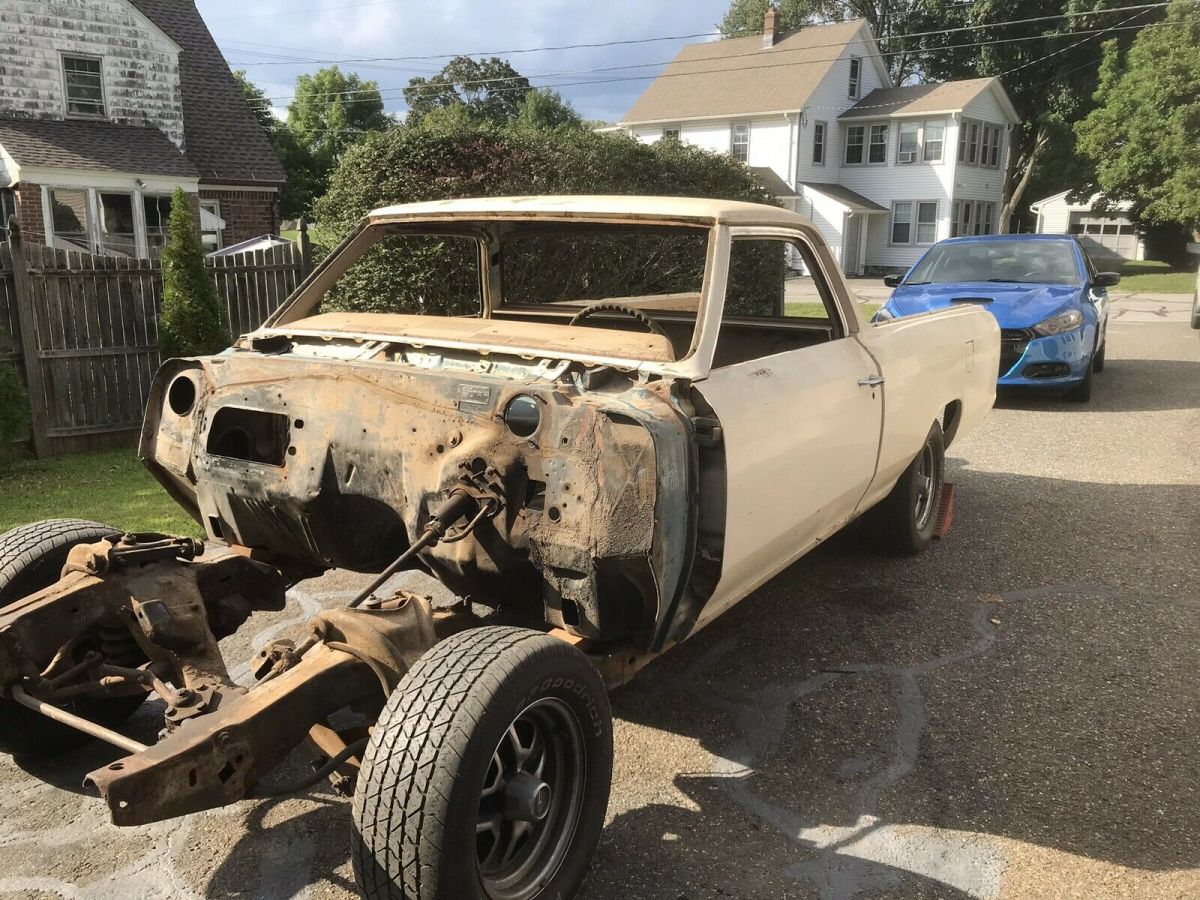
x=14, y=410
x=406, y=165
x=189, y=323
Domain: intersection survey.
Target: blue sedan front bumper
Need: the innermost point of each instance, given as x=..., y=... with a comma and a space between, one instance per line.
x=1054, y=361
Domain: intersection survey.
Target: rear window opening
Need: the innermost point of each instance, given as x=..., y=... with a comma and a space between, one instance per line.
x=250, y=435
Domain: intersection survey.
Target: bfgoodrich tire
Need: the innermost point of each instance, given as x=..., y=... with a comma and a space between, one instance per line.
x=31, y=558
x=905, y=520
x=487, y=774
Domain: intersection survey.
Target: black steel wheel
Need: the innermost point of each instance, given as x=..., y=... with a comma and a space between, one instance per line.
x=31, y=558
x=488, y=773
x=905, y=520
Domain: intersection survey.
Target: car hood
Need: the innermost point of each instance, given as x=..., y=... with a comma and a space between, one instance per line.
x=1013, y=305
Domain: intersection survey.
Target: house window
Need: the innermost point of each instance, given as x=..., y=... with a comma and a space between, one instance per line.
x=672, y=132
x=989, y=154
x=855, y=76
x=877, y=152
x=927, y=213
x=70, y=220
x=210, y=225
x=973, y=217
x=158, y=214
x=935, y=137
x=739, y=141
x=984, y=217
x=909, y=148
x=856, y=136
x=819, y=131
x=84, y=86
x=118, y=233
x=902, y=222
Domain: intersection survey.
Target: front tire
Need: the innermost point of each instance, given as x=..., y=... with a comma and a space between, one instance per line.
x=1098, y=361
x=31, y=558
x=488, y=773
x=905, y=520
x=1082, y=392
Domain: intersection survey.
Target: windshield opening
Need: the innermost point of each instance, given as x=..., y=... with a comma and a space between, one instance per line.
x=1015, y=261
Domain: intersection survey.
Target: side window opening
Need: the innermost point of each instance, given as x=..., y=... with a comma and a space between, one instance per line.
x=776, y=300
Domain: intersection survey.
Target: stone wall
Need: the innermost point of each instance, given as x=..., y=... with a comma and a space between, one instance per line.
x=140, y=64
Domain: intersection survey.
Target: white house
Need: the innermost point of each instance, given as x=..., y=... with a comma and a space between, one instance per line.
x=883, y=171
x=1110, y=233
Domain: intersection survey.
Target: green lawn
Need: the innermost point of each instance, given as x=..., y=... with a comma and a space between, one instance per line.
x=112, y=487
x=813, y=310
x=1156, y=278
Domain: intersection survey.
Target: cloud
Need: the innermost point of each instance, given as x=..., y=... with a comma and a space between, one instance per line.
x=275, y=41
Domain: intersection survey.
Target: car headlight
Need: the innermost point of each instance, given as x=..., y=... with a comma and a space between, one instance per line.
x=882, y=314
x=1060, y=323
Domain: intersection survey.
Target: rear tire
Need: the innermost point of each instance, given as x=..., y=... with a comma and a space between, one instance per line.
x=31, y=558
x=905, y=520
x=488, y=773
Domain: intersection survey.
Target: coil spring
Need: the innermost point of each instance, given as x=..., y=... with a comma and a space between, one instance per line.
x=119, y=647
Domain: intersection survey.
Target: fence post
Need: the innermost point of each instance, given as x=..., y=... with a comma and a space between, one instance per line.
x=30, y=341
x=305, y=249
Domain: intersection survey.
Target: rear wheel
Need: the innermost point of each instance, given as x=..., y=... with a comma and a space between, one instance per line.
x=906, y=519
x=32, y=558
x=488, y=773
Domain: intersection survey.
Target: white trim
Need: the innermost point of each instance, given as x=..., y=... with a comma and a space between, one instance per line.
x=63, y=56
x=83, y=178
x=727, y=116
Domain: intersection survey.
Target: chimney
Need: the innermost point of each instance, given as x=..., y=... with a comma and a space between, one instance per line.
x=770, y=28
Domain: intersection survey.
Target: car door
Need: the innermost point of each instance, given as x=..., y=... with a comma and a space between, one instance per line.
x=800, y=408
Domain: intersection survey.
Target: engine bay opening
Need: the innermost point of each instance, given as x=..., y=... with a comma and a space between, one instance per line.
x=250, y=435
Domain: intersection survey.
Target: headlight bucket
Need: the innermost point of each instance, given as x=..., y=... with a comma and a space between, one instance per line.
x=1060, y=323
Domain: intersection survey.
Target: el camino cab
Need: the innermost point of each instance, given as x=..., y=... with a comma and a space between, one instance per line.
x=600, y=421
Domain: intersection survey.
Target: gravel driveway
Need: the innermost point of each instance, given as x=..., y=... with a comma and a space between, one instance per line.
x=1015, y=714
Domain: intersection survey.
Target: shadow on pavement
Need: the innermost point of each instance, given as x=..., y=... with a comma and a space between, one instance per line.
x=1125, y=385
x=873, y=721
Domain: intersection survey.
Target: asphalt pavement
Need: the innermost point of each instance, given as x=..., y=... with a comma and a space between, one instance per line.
x=1015, y=713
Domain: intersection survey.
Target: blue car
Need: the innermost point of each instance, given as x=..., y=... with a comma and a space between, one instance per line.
x=1051, y=303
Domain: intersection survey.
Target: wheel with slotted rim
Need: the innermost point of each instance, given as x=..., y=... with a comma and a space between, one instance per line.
x=31, y=558
x=487, y=774
x=905, y=520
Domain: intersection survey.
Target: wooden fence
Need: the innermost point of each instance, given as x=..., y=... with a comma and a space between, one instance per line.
x=84, y=331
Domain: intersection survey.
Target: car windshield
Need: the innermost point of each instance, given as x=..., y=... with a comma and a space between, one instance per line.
x=1014, y=261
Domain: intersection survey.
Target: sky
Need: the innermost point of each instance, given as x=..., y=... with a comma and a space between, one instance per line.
x=276, y=40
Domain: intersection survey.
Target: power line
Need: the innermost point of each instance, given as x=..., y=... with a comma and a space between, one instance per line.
x=895, y=37
x=346, y=96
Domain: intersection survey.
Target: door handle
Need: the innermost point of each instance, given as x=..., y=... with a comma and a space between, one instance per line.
x=871, y=381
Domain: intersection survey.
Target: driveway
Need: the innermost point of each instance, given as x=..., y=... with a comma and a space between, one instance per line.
x=1014, y=714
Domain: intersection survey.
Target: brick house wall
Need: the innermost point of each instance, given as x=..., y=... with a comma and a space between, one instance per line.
x=247, y=214
x=29, y=212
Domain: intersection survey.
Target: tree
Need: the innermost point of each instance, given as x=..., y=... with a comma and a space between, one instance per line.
x=331, y=110
x=189, y=323
x=1143, y=138
x=305, y=180
x=543, y=108
x=491, y=90
x=1049, y=75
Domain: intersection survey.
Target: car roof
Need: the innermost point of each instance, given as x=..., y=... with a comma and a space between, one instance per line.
x=990, y=238
x=699, y=210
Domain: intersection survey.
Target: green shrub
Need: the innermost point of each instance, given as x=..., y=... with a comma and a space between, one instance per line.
x=189, y=323
x=406, y=165
x=14, y=409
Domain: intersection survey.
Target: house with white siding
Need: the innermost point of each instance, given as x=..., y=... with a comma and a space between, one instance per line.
x=1108, y=233
x=883, y=171
x=108, y=106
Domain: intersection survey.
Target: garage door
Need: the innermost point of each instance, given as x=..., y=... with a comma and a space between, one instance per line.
x=1106, y=235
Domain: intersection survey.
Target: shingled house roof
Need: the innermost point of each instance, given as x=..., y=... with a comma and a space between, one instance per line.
x=738, y=76
x=913, y=99
x=93, y=147
x=222, y=136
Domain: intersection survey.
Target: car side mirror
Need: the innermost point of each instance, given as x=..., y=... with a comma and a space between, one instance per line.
x=893, y=280
x=1106, y=279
